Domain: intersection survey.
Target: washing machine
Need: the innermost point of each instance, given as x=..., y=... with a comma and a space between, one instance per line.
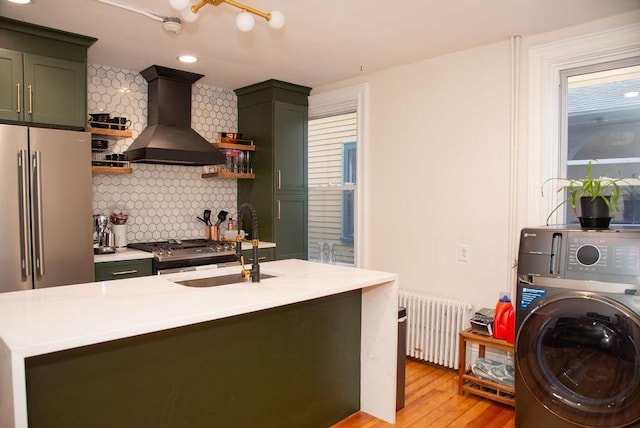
x=577, y=349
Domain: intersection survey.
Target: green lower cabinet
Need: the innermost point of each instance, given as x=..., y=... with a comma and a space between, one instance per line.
x=264, y=255
x=291, y=226
x=292, y=366
x=123, y=269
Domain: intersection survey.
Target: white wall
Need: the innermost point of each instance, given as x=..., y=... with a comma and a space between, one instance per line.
x=438, y=168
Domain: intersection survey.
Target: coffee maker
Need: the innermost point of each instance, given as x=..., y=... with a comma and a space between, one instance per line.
x=104, y=241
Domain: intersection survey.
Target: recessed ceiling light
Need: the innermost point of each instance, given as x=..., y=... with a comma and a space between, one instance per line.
x=20, y=1
x=187, y=58
x=631, y=94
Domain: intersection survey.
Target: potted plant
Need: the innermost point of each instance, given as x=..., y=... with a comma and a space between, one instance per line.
x=598, y=198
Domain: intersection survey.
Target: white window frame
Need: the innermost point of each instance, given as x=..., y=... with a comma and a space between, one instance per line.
x=342, y=101
x=546, y=62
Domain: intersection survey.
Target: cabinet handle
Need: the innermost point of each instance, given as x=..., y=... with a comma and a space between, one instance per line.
x=30, y=99
x=279, y=179
x=125, y=272
x=278, y=202
x=19, y=99
x=260, y=259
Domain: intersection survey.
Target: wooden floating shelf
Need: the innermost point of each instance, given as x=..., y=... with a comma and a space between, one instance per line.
x=236, y=141
x=115, y=133
x=96, y=170
x=224, y=174
x=248, y=148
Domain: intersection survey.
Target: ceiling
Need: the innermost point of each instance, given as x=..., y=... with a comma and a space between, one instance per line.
x=321, y=42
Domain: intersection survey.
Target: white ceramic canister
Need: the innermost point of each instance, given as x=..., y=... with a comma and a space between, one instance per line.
x=120, y=231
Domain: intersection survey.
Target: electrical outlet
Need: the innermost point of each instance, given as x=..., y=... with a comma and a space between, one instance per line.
x=463, y=253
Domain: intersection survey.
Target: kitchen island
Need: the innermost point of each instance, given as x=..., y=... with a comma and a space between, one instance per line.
x=291, y=335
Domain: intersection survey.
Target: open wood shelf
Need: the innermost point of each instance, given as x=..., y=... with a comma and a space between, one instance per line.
x=113, y=133
x=248, y=148
x=107, y=167
x=97, y=170
x=224, y=174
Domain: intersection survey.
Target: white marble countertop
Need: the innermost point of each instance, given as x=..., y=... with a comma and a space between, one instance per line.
x=122, y=254
x=40, y=321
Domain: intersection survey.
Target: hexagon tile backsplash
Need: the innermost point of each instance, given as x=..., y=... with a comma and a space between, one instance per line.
x=163, y=200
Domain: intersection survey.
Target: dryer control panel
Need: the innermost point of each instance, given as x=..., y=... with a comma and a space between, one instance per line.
x=611, y=255
x=607, y=255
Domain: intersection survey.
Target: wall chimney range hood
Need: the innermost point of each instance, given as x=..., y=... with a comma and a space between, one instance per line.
x=168, y=138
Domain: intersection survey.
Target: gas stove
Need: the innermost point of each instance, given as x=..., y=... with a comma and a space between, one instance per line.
x=177, y=254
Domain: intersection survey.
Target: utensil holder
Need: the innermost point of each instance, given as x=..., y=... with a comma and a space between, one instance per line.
x=212, y=233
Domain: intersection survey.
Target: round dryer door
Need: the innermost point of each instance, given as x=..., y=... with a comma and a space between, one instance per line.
x=578, y=355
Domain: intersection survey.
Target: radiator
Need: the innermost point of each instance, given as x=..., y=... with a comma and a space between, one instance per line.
x=433, y=324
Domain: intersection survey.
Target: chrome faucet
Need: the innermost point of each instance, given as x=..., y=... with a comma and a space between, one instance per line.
x=255, y=266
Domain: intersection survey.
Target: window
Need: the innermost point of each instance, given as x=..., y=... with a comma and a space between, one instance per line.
x=547, y=155
x=337, y=149
x=348, y=179
x=332, y=180
x=601, y=119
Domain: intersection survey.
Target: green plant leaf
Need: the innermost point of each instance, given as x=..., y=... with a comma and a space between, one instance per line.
x=588, y=186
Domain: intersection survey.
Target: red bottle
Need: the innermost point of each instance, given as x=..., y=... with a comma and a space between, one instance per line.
x=504, y=320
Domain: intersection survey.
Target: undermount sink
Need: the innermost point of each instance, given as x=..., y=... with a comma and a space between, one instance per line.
x=214, y=281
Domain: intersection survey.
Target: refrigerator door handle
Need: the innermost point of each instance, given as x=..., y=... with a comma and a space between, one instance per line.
x=23, y=166
x=37, y=187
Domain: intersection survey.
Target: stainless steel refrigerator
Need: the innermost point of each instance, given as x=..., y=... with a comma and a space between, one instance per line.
x=46, y=236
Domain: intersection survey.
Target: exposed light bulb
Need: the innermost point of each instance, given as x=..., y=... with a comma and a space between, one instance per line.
x=245, y=21
x=277, y=20
x=188, y=15
x=180, y=4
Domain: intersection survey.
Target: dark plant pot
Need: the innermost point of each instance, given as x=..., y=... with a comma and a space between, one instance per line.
x=594, y=213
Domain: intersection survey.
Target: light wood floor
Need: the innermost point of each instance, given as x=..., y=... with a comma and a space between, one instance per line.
x=432, y=400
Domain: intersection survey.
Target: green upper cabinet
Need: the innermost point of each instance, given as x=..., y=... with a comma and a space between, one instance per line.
x=274, y=114
x=12, y=83
x=43, y=75
x=291, y=160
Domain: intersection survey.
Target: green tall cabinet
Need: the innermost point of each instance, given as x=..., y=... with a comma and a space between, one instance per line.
x=43, y=75
x=274, y=114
